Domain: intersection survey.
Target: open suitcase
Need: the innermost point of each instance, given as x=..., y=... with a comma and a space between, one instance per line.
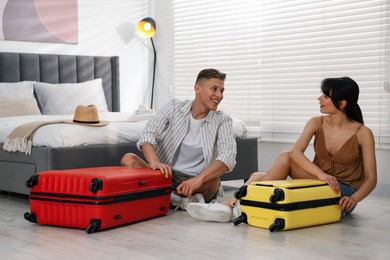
x=288, y=204
x=97, y=198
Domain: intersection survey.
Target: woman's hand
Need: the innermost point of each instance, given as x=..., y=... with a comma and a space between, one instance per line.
x=331, y=181
x=347, y=203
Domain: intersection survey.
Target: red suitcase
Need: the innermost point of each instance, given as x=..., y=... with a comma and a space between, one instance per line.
x=97, y=198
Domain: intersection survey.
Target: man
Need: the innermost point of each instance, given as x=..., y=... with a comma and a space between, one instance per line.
x=190, y=142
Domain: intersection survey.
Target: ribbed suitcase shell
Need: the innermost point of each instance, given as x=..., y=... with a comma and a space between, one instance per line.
x=288, y=204
x=97, y=198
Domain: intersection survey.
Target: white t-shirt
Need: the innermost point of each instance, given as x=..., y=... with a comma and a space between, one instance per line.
x=189, y=157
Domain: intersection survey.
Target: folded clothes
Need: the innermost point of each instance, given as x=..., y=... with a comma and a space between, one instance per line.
x=143, y=110
x=142, y=113
x=136, y=118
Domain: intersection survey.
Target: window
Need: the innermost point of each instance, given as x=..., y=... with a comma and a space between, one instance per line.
x=276, y=53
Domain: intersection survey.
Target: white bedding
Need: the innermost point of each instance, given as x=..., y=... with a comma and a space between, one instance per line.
x=119, y=130
x=123, y=127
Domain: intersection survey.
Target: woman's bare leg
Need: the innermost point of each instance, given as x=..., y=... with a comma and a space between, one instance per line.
x=282, y=167
x=256, y=176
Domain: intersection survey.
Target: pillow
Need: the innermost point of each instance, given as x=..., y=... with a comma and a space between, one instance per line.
x=57, y=99
x=18, y=107
x=17, y=90
x=239, y=128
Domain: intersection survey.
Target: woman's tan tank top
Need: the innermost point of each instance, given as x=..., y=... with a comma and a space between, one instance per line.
x=346, y=164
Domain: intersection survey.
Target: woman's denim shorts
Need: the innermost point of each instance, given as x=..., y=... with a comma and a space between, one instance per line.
x=346, y=190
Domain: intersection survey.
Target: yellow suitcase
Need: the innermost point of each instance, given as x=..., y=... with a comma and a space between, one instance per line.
x=287, y=204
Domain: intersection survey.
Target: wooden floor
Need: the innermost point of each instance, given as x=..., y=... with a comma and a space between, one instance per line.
x=363, y=235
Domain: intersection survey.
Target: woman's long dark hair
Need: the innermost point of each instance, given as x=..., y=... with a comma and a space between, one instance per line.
x=344, y=88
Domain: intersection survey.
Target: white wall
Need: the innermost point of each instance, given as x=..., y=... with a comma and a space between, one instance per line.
x=107, y=28
x=159, y=11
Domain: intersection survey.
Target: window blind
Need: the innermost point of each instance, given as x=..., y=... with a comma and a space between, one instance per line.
x=276, y=53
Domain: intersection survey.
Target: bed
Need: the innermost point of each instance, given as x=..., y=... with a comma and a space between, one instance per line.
x=52, y=69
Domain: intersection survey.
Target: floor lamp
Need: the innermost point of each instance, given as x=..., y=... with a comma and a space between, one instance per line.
x=147, y=28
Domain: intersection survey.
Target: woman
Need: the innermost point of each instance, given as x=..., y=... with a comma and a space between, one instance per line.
x=344, y=154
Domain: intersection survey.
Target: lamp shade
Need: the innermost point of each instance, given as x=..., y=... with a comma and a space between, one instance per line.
x=146, y=27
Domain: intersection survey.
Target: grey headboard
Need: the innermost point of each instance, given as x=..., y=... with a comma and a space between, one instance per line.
x=53, y=68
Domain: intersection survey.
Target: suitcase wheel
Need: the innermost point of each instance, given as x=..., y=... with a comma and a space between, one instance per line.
x=32, y=217
x=32, y=181
x=241, y=192
x=96, y=184
x=93, y=226
x=278, y=224
x=240, y=219
x=277, y=196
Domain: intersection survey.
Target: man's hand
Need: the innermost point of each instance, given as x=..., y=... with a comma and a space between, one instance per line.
x=187, y=188
x=154, y=162
x=164, y=168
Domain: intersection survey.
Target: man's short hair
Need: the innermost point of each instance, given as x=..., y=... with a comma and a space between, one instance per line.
x=210, y=74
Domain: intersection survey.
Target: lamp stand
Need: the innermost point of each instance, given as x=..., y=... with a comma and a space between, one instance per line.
x=154, y=74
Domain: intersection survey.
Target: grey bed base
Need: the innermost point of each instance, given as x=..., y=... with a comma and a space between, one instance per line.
x=16, y=168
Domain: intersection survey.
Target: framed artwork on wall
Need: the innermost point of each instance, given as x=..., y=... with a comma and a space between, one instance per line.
x=53, y=21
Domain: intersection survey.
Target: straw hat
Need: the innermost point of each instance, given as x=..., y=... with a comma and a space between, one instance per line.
x=86, y=115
